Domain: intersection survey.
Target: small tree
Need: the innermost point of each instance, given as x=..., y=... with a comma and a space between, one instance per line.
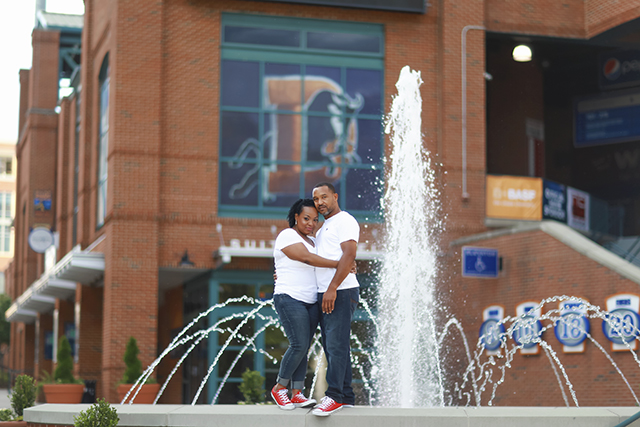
x=252, y=386
x=5, y=303
x=64, y=371
x=23, y=394
x=133, y=365
x=100, y=414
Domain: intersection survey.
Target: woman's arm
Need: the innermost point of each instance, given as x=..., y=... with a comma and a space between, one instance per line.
x=299, y=252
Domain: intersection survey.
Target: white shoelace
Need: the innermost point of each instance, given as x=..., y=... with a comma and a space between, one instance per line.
x=326, y=402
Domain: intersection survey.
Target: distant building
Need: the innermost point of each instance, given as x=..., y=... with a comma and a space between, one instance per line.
x=8, y=166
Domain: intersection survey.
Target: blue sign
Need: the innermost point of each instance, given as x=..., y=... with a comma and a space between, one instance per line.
x=619, y=69
x=572, y=329
x=554, y=201
x=621, y=325
x=491, y=334
x=606, y=119
x=479, y=262
x=527, y=331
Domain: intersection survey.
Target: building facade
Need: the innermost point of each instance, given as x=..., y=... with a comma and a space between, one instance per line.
x=194, y=125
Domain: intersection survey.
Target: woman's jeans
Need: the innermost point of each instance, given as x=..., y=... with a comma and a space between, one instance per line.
x=336, y=340
x=300, y=321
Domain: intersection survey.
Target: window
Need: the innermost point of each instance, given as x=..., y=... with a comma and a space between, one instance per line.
x=301, y=103
x=103, y=142
x=6, y=203
x=6, y=166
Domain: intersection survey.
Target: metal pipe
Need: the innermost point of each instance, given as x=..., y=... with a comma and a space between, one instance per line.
x=465, y=194
x=628, y=420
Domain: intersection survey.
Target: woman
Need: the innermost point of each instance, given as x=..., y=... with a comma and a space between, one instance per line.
x=294, y=295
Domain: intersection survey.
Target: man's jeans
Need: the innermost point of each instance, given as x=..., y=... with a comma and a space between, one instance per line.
x=300, y=321
x=336, y=340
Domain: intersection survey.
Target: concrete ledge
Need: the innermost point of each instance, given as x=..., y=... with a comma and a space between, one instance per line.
x=362, y=416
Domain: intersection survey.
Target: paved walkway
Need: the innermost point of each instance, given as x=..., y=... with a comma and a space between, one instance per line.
x=4, y=399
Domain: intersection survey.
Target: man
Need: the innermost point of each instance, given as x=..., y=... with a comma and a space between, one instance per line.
x=338, y=293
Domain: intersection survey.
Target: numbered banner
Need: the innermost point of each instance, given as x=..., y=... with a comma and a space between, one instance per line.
x=622, y=323
x=527, y=329
x=573, y=326
x=492, y=332
x=621, y=326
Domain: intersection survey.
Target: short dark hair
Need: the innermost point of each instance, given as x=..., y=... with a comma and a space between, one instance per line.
x=297, y=208
x=325, y=184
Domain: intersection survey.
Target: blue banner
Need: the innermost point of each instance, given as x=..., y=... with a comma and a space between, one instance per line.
x=554, y=201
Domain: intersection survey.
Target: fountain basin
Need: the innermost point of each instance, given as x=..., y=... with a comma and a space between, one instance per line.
x=364, y=416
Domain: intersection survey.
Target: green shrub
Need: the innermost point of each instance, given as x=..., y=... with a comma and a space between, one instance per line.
x=23, y=394
x=100, y=414
x=252, y=386
x=6, y=415
x=64, y=371
x=133, y=365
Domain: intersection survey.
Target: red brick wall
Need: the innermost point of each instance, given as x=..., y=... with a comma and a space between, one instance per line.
x=602, y=15
x=536, y=267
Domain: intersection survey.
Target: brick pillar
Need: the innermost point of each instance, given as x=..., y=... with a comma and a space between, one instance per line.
x=46, y=325
x=89, y=334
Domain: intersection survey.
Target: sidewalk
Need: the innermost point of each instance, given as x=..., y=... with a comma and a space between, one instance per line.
x=4, y=399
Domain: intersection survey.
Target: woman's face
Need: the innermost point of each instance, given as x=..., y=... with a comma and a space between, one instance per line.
x=307, y=220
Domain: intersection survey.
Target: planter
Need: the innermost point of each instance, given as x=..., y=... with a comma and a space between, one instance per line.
x=63, y=393
x=13, y=424
x=147, y=394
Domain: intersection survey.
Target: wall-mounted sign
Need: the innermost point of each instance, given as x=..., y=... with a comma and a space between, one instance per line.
x=40, y=238
x=514, y=197
x=480, y=262
x=572, y=328
x=417, y=6
x=621, y=326
x=492, y=332
x=527, y=329
x=42, y=201
x=577, y=209
x=554, y=201
x=619, y=69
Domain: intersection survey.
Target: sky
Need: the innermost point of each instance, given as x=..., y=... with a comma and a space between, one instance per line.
x=17, y=19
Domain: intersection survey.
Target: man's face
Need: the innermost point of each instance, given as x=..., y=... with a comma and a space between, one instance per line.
x=326, y=201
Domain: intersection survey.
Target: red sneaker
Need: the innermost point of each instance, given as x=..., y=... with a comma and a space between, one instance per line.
x=302, y=402
x=282, y=399
x=327, y=407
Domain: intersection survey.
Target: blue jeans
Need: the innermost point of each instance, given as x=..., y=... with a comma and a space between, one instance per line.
x=300, y=321
x=336, y=340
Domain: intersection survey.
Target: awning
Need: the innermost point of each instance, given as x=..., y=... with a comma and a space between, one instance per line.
x=60, y=282
x=251, y=250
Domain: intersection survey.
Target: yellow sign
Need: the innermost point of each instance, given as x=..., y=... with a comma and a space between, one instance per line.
x=514, y=197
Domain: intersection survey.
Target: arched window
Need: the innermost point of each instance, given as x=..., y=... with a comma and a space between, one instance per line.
x=103, y=141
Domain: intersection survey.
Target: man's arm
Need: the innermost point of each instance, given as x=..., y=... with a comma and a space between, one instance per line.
x=349, y=249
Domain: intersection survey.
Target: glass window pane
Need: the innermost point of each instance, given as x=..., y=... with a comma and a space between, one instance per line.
x=239, y=137
x=104, y=106
x=7, y=206
x=282, y=185
x=230, y=290
x=239, y=183
x=241, y=84
x=363, y=190
x=261, y=36
x=283, y=86
x=365, y=85
x=240, y=339
x=228, y=357
x=369, y=146
x=323, y=134
x=320, y=85
x=343, y=42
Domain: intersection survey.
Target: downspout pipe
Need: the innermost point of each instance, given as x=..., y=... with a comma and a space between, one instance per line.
x=465, y=30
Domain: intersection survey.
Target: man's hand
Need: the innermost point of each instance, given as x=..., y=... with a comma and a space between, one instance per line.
x=328, y=300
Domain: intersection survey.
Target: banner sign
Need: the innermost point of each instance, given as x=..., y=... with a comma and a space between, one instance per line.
x=514, y=197
x=492, y=332
x=572, y=328
x=619, y=69
x=480, y=262
x=606, y=119
x=527, y=329
x=416, y=6
x=622, y=321
x=577, y=209
x=554, y=201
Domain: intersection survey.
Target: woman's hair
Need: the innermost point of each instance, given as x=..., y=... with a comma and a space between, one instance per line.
x=297, y=208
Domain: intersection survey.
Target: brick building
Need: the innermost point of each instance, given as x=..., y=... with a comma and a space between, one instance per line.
x=194, y=125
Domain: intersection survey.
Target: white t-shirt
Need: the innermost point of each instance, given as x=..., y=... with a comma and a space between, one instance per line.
x=340, y=228
x=295, y=278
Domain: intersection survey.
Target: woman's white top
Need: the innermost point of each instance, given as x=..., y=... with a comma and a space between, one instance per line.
x=295, y=278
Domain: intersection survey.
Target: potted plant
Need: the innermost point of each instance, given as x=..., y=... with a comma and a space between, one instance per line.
x=22, y=396
x=64, y=388
x=133, y=371
x=100, y=414
x=252, y=387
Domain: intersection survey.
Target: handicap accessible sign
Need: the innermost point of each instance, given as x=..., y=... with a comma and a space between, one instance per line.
x=479, y=262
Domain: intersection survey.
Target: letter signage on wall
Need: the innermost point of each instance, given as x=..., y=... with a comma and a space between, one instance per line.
x=527, y=329
x=619, y=69
x=513, y=197
x=573, y=326
x=622, y=321
x=554, y=201
x=492, y=332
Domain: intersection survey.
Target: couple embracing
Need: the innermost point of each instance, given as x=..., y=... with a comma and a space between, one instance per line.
x=315, y=284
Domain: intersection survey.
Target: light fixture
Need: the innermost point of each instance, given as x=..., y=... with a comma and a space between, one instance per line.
x=185, y=261
x=522, y=53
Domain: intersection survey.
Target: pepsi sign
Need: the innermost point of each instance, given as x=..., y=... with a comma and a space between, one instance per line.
x=619, y=69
